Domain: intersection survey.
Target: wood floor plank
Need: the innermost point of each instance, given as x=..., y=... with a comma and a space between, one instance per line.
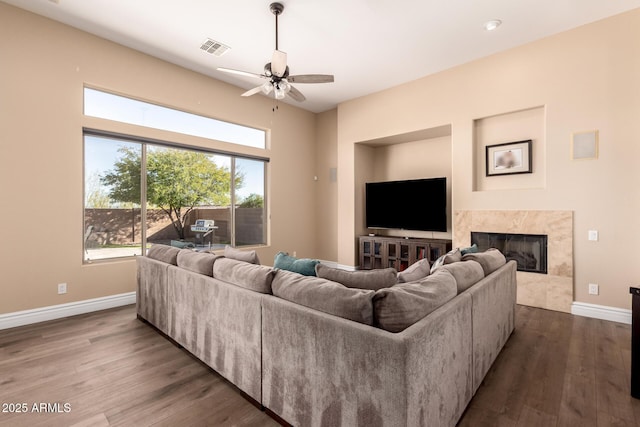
x=114, y=370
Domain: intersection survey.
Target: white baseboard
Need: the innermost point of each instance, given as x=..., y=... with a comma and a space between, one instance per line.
x=27, y=317
x=603, y=312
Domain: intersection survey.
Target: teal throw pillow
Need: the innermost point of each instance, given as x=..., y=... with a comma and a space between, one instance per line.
x=304, y=266
x=470, y=250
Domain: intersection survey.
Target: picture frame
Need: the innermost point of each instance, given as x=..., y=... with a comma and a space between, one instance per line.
x=509, y=158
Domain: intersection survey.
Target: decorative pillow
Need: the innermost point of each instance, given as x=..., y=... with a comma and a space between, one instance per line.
x=470, y=250
x=361, y=279
x=466, y=274
x=164, y=253
x=490, y=260
x=304, y=266
x=453, y=255
x=240, y=255
x=198, y=262
x=324, y=295
x=404, y=304
x=249, y=276
x=416, y=271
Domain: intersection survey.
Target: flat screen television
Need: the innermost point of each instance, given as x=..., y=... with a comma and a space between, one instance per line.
x=417, y=204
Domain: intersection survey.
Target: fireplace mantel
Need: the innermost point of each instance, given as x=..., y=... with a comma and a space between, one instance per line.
x=553, y=291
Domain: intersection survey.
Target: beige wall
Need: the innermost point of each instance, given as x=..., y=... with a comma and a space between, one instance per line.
x=44, y=67
x=327, y=186
x=584, y=79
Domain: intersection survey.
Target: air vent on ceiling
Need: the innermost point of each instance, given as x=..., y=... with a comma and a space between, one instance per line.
x=214, y=47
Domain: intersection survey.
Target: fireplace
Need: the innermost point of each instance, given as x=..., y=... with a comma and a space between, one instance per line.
x=528, y=250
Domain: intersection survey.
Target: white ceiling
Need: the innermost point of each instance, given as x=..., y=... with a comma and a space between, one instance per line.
x=368, y=45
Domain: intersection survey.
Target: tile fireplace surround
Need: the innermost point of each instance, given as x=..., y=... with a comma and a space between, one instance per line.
x=554, y=290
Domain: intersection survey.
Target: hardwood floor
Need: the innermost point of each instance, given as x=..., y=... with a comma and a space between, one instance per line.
x=114, y=370
x=558, y=370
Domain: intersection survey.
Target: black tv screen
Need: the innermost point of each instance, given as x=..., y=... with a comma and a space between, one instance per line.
x=417, y=204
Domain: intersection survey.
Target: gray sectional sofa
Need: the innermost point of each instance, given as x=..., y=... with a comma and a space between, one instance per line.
x=318, y=353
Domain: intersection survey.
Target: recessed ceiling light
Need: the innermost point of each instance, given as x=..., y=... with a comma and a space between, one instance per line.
x=492, y=25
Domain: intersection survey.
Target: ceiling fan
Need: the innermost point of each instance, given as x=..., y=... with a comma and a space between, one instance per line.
x=276, y=72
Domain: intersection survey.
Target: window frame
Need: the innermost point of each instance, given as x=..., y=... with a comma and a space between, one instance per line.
x=145, y=142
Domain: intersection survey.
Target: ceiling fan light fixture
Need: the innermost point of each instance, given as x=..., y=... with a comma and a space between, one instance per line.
x=492, y=24
x=279, y=91
x=267, y=88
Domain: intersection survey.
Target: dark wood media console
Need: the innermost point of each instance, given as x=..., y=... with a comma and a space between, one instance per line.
x=398, y=252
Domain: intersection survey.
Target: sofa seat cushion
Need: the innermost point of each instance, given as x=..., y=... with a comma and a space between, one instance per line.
x=416, y=271
x=304, y=266
x=324, y=295
x=400, y=306
x=250, y=276
x=490, y=260
x=164, y=253
x=198, y=262
x=241, y=255
x=466, y=273
x=360, y=279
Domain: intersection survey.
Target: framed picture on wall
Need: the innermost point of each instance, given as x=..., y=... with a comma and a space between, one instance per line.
x=509, y=158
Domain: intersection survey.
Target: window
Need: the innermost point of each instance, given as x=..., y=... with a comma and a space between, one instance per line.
x=139, y=193
x=122, y=109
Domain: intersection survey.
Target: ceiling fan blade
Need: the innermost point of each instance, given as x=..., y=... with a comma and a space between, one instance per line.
x=241, y=73
x=311, y=78
x=279, y=63
x=253, y=91
x=295, y=94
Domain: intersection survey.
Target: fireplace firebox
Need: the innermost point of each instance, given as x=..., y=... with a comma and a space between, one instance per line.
x=528, y=250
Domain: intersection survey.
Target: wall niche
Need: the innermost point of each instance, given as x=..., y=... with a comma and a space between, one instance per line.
x=510, y=127
x=425, y=153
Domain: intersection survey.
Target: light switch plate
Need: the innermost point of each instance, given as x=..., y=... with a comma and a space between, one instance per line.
x=593, y=235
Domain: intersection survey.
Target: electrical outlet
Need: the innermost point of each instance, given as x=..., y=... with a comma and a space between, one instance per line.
x=295, y=254
x=594, y=289
x=62, y=288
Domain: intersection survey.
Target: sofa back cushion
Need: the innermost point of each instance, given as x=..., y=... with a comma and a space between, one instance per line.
x=466, y=273
x=490, y=260
x=241, y=255
x=304, y=266
x=324, y=295
x=257, y=278
x=360, y=279
x=404, y=304
x=198, y=262
x=164, y=253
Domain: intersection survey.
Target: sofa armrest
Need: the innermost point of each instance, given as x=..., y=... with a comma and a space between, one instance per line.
x=320, y=369
x=493, y=310
x=151, y=298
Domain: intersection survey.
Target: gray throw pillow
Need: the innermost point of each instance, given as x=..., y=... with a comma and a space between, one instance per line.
x=466, y=273
x=453, y=255
x=164, y=253
x=249, y=276
x=404, y=304
x=361, y=279
x=490, y=260
x=198, y=262
x=240, y=255
x=324, y=295
x=416, y=271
